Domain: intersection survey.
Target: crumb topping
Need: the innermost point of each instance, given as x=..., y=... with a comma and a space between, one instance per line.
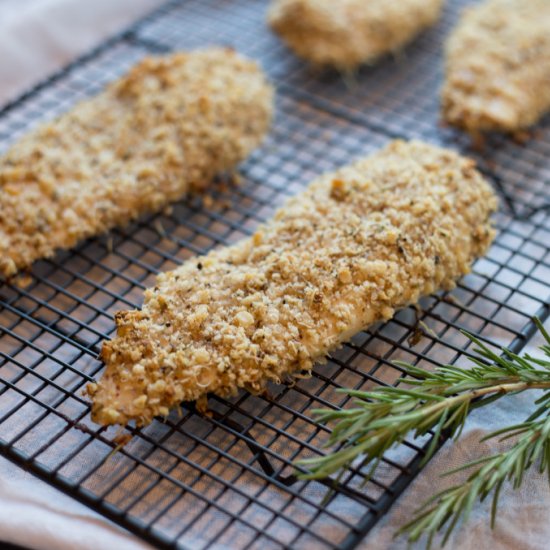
x=170, y=124
x=498, y=66
x=347, y=33
x=348, y=251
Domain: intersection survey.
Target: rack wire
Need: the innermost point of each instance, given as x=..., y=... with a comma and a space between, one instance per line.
x=227, y=480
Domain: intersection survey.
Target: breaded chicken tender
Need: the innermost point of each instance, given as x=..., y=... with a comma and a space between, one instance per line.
x=347, y=33
x=348, y=251
x=498, y=67
x=170, y=124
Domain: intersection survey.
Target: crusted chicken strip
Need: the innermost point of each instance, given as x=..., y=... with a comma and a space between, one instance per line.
x=348, y=251
x=498, y=66
x=170, y=124
x=347, y=33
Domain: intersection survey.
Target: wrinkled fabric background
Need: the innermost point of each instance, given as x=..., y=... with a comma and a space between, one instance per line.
x=39, y=36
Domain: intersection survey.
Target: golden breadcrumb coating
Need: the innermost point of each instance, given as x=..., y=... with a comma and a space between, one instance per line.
x=347, y=33
x=352, y=248
x=498, y=66
x=171, y=123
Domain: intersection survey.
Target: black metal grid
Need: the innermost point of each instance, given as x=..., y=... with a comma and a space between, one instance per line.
x=227, y=480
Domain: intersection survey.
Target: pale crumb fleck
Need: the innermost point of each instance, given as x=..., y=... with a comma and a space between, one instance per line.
x=158, y=387
x=244, y=319
x=139, y=402
x=236, y=179
x=344, y=275
x=138, y=370
x=111, y=415
x=257, y=238
x=160, y=228
x=24, y=280
x=122, y=439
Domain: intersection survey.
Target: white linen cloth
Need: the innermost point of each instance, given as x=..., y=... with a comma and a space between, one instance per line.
x=38, y=36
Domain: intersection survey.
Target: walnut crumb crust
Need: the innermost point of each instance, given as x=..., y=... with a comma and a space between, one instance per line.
x=498, y=67
x=347, y=33
x=348, y=251
x=170, y=124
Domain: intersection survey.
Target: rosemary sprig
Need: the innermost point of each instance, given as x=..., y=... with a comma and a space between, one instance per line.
x=455, y=502
x=440, y=401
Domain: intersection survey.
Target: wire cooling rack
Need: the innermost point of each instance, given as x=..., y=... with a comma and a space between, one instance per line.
x=226, y=480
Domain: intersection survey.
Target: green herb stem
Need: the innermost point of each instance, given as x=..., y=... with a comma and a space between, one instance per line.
x=440, y=400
